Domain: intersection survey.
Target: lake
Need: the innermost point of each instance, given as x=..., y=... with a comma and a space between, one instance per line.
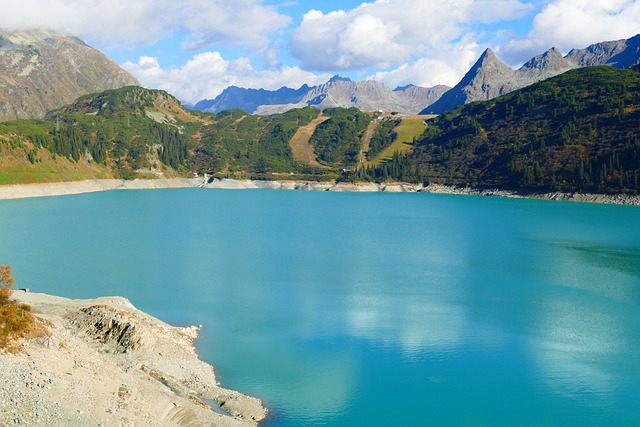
x=351, y=309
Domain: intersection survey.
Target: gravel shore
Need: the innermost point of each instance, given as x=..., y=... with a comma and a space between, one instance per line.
x=64, y=188
x=105, y=363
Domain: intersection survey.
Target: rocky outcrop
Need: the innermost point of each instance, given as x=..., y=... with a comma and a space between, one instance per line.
x=618, y=53
x=104, y=362
x=541, y=67
x=42, y=70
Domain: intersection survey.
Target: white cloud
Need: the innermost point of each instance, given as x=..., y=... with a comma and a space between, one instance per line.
x=568, y=24
x=442, y=67
x=387, y=32
x=208, y=74
x=127, y=23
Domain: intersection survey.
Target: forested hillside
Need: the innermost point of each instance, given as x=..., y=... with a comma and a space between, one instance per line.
x=135, y=132
x=579, y=131
x=123, y=131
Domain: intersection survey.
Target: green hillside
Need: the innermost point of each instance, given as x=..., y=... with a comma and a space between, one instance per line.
x=576, y=132
x=579, y=131
x=134, y=132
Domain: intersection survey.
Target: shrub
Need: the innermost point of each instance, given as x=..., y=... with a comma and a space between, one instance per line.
x=16, y=320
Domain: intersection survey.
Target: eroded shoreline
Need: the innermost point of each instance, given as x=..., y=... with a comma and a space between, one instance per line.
x=78, y=187
x=104, y=362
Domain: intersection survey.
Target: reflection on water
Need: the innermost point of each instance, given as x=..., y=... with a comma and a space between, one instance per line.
x=367, y=309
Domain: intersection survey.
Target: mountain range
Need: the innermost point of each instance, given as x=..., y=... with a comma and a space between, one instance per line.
x=339, y=91
x=41, y=70
x=488, y=78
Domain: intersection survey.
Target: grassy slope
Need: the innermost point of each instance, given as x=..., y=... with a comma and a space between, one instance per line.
x=409, y=128
x=15, y=168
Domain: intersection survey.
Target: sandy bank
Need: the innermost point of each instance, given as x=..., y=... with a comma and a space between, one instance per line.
x=21, y=191
x=63, y=188
x=107, y=363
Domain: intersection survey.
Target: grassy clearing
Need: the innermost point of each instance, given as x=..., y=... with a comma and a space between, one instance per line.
x=15, y=168
x=409, y=128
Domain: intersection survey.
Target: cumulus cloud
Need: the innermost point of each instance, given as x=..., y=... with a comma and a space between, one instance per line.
x=568, y=24
x=126, y=23
x=208, y=74
x=387, y=32
x=441, y=67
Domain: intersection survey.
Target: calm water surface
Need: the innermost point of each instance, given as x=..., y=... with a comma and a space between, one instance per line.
x=367, y=309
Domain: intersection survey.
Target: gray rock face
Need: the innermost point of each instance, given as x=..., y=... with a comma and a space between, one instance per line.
x=488, y=78
x=367, y=95
x=549, y=64
x=41, y=70
x=337, y=92
x=618, y=53
x=250, y=99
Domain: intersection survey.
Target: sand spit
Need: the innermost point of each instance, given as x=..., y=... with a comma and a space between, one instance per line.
x=106, y=363
x=62, y=188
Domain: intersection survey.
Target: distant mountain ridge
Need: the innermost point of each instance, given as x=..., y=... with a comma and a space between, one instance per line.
x=489, y=77
x=339, y=91
x=250, y=99
x=41, y=70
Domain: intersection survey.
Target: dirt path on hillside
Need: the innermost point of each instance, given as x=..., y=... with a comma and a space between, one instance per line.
x=302, y=150
x=366, y=139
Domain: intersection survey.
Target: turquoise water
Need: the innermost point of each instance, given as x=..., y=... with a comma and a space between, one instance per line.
x=367, y=309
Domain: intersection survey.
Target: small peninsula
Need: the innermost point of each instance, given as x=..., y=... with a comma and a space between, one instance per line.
x=104, y=362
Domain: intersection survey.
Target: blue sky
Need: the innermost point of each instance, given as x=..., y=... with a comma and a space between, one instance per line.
x=196, y=48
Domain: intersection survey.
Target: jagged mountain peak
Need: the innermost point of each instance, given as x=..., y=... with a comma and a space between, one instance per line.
x=551, y=56
x=541, y=67
x=488, y=77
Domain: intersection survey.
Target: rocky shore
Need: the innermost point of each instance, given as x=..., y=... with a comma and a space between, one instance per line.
x=64, y=188
x=106, y=363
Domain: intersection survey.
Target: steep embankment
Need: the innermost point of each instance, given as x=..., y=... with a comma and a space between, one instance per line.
x=106, y=363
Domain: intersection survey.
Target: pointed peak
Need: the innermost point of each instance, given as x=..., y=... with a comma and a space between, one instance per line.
x=338, y=78
x=551, y=59
x=488, y=54
x=553, y=52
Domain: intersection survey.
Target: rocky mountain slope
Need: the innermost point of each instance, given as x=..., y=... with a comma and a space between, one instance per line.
x=489, y=77
x=41, y=70
x=337, y=92
x=618, y=53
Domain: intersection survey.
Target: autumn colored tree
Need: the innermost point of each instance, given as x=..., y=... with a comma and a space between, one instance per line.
x=6, y=284
x=16, y=320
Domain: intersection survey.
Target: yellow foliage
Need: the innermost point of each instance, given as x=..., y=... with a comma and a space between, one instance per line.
x=16, y=320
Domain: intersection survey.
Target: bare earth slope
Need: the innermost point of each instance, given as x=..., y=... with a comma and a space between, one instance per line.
x=107, y=363
x=300, y=146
